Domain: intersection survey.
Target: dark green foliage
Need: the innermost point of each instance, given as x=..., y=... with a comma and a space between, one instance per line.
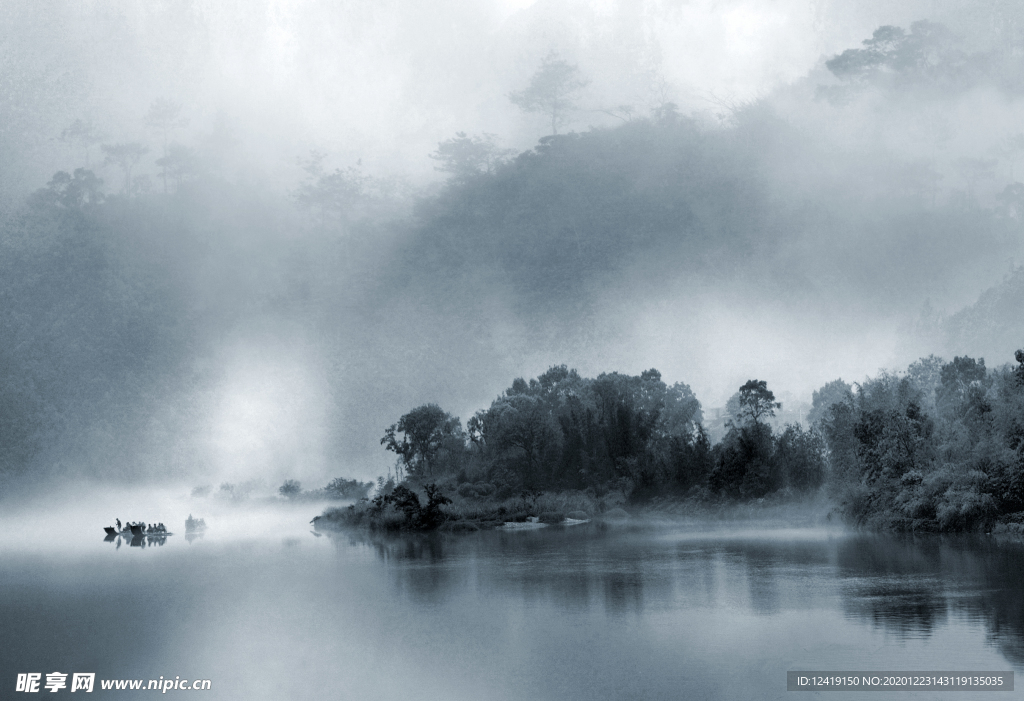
x=397, y=509
x=751, y=462
x=481, y=489
x=690, y=459
x=632, y=434
x=799, y=459
x=955, y=466
x=835, y=392
x=743, y=462
x=429, y=436
x=893, y=442
x=431, y=516
x=562, y=431
x=403, y=499
x=756, y=402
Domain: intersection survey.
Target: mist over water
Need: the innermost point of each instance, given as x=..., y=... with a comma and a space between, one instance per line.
x=264, y=609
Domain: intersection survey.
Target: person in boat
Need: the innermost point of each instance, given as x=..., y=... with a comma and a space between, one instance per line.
x=118, y=522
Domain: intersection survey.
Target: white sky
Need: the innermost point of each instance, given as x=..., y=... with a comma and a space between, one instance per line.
x=386, y=80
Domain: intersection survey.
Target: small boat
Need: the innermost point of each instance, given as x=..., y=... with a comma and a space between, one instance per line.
x=195, y=525
x=139, y=539
x=110, y=530
x=137, y=530
x=530, y=524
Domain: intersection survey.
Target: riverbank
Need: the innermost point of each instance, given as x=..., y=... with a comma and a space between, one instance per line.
x=402, y=509
x=472, y=512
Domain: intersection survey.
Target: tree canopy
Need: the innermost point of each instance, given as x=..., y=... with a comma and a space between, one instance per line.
x=756, y=402
x=425, y=432
x=553, y=90
x=464, y=156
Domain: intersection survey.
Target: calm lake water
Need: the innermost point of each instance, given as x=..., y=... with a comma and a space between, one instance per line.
x=267, y=610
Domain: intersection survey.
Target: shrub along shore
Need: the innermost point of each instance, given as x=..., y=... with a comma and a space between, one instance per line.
x=478, y=508
x=939, y=447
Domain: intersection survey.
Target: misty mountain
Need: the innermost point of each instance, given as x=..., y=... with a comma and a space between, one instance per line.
x=207, y=307
x=671, y=210
x=992, y=327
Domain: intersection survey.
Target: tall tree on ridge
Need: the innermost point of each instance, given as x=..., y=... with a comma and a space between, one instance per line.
x=126, y=156
x=553, y=90
x=164, y=117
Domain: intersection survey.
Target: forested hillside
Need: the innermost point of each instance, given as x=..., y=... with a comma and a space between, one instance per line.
x=786, y=237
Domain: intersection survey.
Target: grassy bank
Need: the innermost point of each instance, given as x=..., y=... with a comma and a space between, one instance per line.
x=413, y=507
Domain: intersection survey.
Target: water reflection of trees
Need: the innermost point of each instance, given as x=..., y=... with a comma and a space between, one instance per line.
x=905, y=585
x=901, y=608
x=910, y=585
x=622, y=570
x=570, y=568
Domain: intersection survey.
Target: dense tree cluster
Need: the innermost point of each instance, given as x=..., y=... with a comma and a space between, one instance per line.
x=631, y=432
x=753, y=461
x=397, y=508
x=338, y=489
x=928, y=57
x=564, y=431
x=428, y=435
x=582, y=211
x=940, y=447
